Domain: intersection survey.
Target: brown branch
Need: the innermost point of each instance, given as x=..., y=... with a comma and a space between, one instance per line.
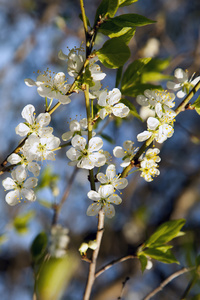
x=114, y=262
x=57, y=207
x=91, y=275
x=166, y=281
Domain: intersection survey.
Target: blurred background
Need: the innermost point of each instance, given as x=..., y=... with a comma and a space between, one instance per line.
x=31, y=34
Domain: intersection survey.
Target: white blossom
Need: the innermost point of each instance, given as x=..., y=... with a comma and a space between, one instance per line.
x=182, y=83
x=51, y=87
x=58, y=241
x=160, y=101
x=22, y=187
x=33, y=124
x=86, y=157
x=111, y=178
x=148, y=164
x=126, y=153
x=21, y=159
x=76, y=128
x=109, y=102
x=40, y=149
x=102, y=200
x=160, y=128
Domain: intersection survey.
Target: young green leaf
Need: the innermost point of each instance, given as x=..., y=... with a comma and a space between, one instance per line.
x=165, y=233
x=106, y=8
x=143, y=260
x=126, y=2
x=131, y=20
x=165, y=257
x=88, y=22
x=20, y=222
x=110, y=29
x=107, y=138
x=196, y=105
x=118, y=76
x=114, y=53
x=132, y=108
x=133, y=71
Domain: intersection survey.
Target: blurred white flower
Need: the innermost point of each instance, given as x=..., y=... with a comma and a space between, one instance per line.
x=58, y=241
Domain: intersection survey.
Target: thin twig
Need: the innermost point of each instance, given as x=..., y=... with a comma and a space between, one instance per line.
x=166, y=281
x=114, y=262
x=57, y=207
x=123, y=287
x=92, y=268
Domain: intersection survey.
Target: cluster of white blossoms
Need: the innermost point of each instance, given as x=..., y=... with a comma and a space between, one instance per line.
x=106, y=196
x=148, y=164
x=59, y=241
x=182, y=83
x=39, y=145
x=160, y=126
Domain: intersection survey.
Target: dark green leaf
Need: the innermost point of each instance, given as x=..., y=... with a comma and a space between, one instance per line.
x=196, y=105
x=106, y=8
x=132, y=72
x=110, y=29
x=143, y=261
x=165, y=233
x=157, y=64
x=118, y=76
x=131, y=20
x=39, y=246
x=128, y=35
x=114, y=53
x=88, y=22
x=132, y=108
x=139, y=89
x=165, y=257
x=126, y=2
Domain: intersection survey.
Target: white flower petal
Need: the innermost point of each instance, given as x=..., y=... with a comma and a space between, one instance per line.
x=95, y=144
x=93, y=195
x=30, y=183
x=14, y=159
x=93, y=209
x=118, y=152
x=152, y=123
x=27, y=113
x=114, y=198
x=13, y=198
x=8, y=183
x=143, y=136
x=78, y=142
x=28, y=194
x=22, y=129
x=109, y=211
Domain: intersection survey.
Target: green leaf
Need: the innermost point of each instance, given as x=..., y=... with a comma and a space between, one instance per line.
x=118, y=76
x=54, y=276
x=133, y=71
x=132, y=108
x=157, y=64
x=106, y=8
x=20, y=222
x=154, y=76
x=165, y=233
x=139, y=89
x=131, y=20
x=47, y=178
x=128, y=35
x=126, y=2
x=143, y=261
x=196, y=105
x=39, y=246
x=114, y=53
x=165, y=257
x=86, y=77
x=110, y=29
x=88, y=21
